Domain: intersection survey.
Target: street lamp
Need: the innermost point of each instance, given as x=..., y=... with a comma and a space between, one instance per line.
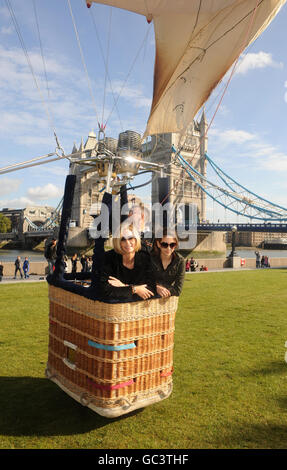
x=233, y=242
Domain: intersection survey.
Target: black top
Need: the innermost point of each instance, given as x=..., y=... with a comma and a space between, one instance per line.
x=173, y=276
x=140, y=274
x=146, y=243
x=51, y=252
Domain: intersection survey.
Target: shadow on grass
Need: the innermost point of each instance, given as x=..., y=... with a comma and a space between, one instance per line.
x=273, y=367
x=253, y=436
x=35, y=406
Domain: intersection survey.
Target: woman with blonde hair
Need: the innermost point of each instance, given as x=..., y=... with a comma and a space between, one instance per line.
x=126, y=271
x=168, y=266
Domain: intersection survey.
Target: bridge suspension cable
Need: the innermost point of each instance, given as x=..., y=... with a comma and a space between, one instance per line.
x=235, y=186
x=234, y=197
x=50, y=222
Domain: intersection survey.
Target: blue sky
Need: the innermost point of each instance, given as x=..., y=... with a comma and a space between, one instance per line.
x=247, y=138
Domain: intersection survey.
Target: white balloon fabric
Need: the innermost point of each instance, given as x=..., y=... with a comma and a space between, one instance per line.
x=196, y=43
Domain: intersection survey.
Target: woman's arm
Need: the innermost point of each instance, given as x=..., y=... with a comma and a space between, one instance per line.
x=162, y=291
x=110, y=285
x=177, y=286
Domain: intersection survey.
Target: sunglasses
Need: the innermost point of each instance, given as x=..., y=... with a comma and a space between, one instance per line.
x=165, y=245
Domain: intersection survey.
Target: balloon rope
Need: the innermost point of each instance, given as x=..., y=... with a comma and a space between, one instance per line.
x=106, y=68
x=106, y=64
x=25, y=51
x=128, y=75
x=251, y=23
x=83, y=59
x=224, y=91
x=235, y=64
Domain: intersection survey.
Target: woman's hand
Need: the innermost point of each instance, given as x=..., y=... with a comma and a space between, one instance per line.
x=115, y=282
x=143, y=292
x=162, y=291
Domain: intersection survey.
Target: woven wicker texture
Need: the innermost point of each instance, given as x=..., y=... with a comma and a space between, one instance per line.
x=111, y=354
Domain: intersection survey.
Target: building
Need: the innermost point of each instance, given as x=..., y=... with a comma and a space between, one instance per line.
x=25, y=220
x=91, y=181
x=255, y=239
x=182, y=189
x=89, y=186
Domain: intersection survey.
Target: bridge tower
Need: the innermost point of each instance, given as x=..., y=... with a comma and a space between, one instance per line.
x=182, y=189
x=87, y=190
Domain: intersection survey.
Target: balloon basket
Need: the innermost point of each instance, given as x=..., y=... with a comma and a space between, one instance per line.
x=111, y=357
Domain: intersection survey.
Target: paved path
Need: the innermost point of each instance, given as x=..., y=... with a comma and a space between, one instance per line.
x=36, y=278
x=32, y=278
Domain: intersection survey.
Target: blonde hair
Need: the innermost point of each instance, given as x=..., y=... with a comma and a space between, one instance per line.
x=120, y=233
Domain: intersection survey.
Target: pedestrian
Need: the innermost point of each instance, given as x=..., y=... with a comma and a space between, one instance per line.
x=51, y=255
x=26, y=266
x=84, y=262
x=1, y=271
x=193, y=264
x=65, y=264
x=266, y=262
x=258, y=256
x=187, y=265
x=262, y=261
x=74, y=260
x=89, y=264
x=18, y=267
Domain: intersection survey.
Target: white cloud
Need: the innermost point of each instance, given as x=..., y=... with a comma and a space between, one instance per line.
x=232, y=136
x=274, y=161
x=52, y=170
x=41, y=193
x=6, y=30
x=16, y=203
x=4, y=13
x=259, y=60
x=242, y=145
x=134, y=94
x=9, y=185
x=28, y=114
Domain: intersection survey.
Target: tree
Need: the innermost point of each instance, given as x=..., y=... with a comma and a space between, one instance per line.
x=5, y=224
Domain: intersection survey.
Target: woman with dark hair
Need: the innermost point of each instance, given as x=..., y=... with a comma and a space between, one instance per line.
x=168, y=266
x=126, y=271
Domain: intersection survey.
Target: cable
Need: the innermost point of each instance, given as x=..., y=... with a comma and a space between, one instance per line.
x=250, y=24
x=41, y=48
x=106, y=63
x=103, y=57
x=83, y=59
x=129, y=72
x=18, y=31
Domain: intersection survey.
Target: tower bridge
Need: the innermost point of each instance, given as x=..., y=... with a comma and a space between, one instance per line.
x=186, y=172
x=227, y=227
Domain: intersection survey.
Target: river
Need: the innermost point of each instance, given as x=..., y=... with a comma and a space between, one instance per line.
x=11, y=255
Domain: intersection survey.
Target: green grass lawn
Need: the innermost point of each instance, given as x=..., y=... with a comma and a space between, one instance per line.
x=230, y=379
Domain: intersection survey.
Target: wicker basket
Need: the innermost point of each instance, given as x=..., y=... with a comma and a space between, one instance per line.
x=113, y=358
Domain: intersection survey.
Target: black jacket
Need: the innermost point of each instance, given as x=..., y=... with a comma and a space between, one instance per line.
x=140, y=274
x=173, y=276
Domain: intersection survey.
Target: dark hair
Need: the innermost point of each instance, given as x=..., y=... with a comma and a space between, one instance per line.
x=165, y=233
